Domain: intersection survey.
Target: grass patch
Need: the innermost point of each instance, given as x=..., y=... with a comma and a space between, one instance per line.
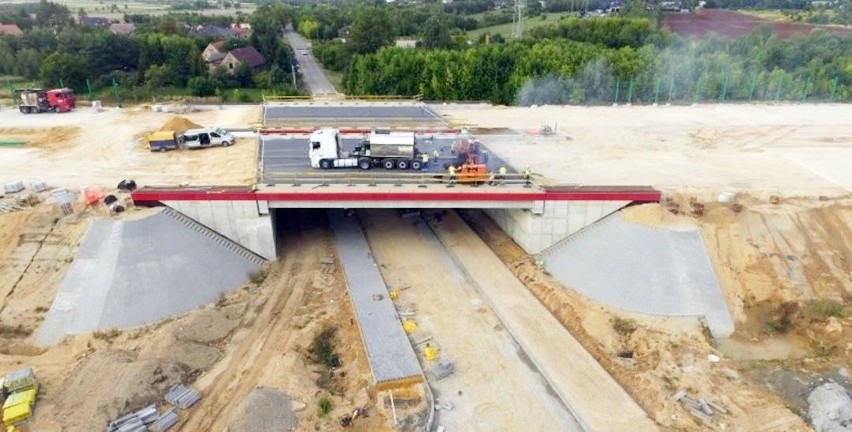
x=825, y=308
x=781, y=320
x=18, y=331
x=623, y=326
x=336, y=78
x=107, y=335
x=322, y=348
x=529, y=23
x=324, y=406
x=258, y=276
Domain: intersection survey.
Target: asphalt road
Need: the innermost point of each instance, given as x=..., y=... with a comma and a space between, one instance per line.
x=313, y=75
x=282, y=157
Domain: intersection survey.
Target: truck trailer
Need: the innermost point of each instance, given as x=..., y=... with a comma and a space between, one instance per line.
x=381, y=149
x=39, y=100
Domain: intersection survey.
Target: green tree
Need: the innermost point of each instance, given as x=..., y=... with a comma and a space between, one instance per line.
x=435, y=33
x=49, y=14
x=243, y=75
x=371, y=30
x=65, y=68
x=159, y=76
x=308, y=28
x=202, y=86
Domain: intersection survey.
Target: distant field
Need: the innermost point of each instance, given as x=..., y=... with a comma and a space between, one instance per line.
x=506, y=29
x=736, y=24
x=98, y=8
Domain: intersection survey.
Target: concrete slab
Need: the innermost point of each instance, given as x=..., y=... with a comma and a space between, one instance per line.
x=133, y=272
x=388, y=349
x=643, y=269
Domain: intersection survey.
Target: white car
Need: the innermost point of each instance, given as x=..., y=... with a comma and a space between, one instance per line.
x=202, y=138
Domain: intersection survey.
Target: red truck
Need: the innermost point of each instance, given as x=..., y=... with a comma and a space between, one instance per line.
x=38, y=100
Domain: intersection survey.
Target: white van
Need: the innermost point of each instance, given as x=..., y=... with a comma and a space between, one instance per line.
x=202, y=138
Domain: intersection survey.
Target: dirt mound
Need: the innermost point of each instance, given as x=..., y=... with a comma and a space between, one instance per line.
x=110, y=383
x=54, y=138
x=264, y=410
x=179, y=124
x=209, y=325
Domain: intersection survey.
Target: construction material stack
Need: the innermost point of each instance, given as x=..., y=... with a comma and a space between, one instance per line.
x=21, y=388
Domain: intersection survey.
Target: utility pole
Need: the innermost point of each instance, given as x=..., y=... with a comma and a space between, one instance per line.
x=518, y=21
x=293, y=72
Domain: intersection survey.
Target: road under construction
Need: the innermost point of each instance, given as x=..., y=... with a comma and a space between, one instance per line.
x=537, y=217
x=457, y=305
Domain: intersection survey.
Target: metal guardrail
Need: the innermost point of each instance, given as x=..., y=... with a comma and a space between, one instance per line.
x=274, y=98
x=374, y=178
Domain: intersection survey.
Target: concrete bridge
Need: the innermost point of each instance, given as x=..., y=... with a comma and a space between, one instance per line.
x=535, y=217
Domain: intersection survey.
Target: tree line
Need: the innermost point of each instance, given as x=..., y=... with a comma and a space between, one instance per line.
x=576, y=63
x=159, y=55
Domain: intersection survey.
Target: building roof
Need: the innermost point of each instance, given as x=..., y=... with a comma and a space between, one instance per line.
x=10, y=29
x=218, y=44
x=122, y=28
x=249, y=55
x=95, y=21
x=210, y=30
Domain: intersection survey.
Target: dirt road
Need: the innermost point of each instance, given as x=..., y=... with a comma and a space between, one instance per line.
x=267, y=352
x=575, y=375
x=492, y=372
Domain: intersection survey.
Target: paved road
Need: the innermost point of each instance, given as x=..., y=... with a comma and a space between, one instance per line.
x=283, y=156
x=313, y=75
x=417, y=113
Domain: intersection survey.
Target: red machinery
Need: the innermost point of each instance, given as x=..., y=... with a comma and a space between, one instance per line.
x=38, y=100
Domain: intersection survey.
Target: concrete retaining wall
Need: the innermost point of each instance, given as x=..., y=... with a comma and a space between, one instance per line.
x=550, y=222
x=245, y=222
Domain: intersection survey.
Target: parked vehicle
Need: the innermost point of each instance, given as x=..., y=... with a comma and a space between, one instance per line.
x=22, y=388
x=203, y=138
x=39, y=100
x=382, y=148
x=162, y=141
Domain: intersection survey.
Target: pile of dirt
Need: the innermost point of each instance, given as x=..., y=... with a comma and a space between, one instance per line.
x=108, y=384
x=179, y=124
x=54, y=138
x=209, y=325
x=264, y=410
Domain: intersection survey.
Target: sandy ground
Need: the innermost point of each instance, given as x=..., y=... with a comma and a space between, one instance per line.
x=259, y=336
x=491, y=371
x=273, y=350
x=788, y=149
x=666, y=354
x=84, y=148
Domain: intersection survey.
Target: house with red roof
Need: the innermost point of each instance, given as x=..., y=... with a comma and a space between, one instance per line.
x=10, y=29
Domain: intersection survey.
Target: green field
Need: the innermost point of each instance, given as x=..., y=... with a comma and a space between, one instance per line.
x=102, y=8
x=506, y=29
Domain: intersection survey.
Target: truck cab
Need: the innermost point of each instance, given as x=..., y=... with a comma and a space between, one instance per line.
x=324, y=147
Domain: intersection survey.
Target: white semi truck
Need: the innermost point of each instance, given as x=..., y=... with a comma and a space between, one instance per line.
x=382, y=149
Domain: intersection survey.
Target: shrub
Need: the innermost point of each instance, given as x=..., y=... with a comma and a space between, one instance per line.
x=325, y=405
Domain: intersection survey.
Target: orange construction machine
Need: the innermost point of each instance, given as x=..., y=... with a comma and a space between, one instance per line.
x=471, y=160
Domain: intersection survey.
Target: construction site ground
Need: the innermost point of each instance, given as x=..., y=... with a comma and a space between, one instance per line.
x=781, y=248
x=493, y=373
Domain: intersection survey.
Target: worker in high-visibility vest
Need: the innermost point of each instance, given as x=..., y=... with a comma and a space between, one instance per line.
x=502, y=177
x=452, y=171
x=528, y=176
x=492, y=179
x=424, y=161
